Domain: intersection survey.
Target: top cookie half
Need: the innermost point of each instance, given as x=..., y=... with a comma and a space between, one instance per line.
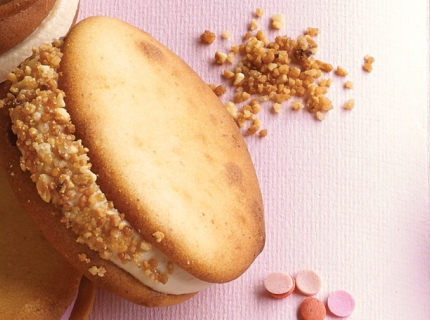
x=165, y=150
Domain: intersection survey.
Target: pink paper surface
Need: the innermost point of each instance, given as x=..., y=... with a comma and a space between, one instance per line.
x=347, y=197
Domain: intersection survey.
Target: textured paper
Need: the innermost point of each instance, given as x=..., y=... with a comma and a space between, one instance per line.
x=347, y=197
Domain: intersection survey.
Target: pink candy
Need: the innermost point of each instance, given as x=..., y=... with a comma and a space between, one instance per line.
x=341, y=303
x=308, y=282
x=280, y=285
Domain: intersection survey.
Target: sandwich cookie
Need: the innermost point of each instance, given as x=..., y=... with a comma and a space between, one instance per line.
x=130, y=165
x=25, y=24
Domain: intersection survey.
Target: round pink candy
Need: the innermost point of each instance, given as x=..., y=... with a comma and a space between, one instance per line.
x=308, y=282
x=341, y=303
x=279, y=284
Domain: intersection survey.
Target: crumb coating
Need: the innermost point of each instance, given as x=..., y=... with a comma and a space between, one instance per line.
x=61, y=169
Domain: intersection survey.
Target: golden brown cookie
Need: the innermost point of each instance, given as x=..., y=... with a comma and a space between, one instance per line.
x=19, y=18
x=84, y=300
x=25, y=24
x=135, y=171
x=36, y=282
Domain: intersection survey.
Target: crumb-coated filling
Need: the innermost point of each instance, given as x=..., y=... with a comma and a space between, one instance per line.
x=61, y=169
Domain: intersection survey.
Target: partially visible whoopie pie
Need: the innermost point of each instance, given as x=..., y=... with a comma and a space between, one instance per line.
x=25, y=24
x=36, y=282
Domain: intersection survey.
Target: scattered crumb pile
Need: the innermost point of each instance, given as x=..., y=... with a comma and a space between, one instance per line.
x=275, y=71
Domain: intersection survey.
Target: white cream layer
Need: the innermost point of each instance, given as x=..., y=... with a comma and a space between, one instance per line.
x=180, y=281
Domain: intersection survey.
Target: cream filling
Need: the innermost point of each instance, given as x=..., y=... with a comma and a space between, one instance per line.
x=180, y=281
x=61, y=171
x=55, y=25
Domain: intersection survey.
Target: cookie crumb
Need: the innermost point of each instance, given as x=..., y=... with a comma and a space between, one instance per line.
x=219, y=90
x=278, y=21
x=254, y=127
x=170, y=267
x=341, y=72
x=312, y=31
x=276, y=107
x=158, y=235
x=262, y=133
x=97, y=271
x=207, y=37
x=259, y=12
x=349, y=85
x=253, y=25
x=226, y=34
x=232, y=109
x=220, y=57
x=349, y=105
x=368, y=61
x=297, y=105
x=238, y=78
x=319, y=116
x=150, y=266
x=230, y=57
x=83, y=258
x=228, y=74
x=145, y=246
